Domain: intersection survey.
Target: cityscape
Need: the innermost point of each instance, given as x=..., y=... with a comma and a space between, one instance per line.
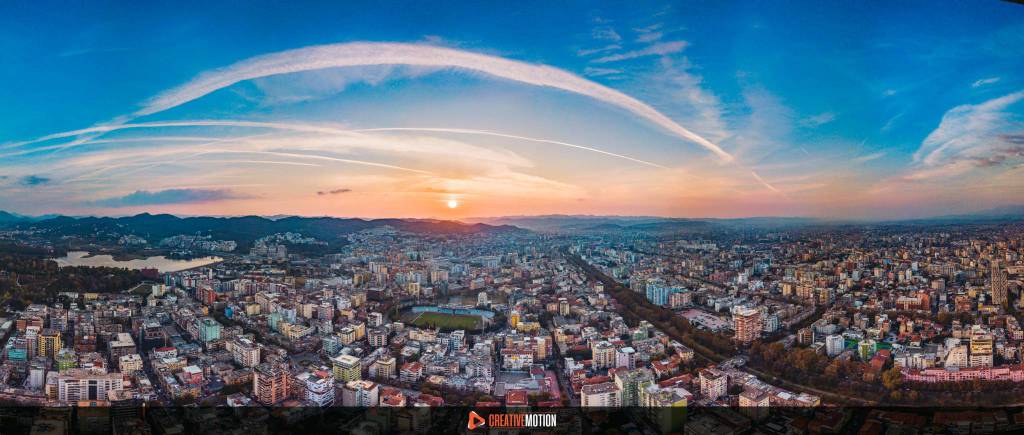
x=610, y=217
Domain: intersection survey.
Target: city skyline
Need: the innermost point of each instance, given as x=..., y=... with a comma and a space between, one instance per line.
x=852, y=112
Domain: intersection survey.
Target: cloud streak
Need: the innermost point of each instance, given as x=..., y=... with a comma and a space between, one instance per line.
x=333, y=191
x=984, y=82
x=969, y=130
x=302, y=128
x=34, y=180
x=818, y=120
x=169, y=196
x=367, y=54
x=869, y=157
x=512, y=136
x=659, y=49
x=970, y=136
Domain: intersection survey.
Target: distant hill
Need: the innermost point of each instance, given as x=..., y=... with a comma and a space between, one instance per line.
x=663, y=225
x=247, y=229
x=1007, y=213
x=8, y=218
x=571, y=223
x=646, y=224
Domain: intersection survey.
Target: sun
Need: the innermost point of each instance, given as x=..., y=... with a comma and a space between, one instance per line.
x=452, y=203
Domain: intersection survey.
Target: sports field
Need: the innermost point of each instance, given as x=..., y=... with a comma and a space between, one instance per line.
x=446, y=322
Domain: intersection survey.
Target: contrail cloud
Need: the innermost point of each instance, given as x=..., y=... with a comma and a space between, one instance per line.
x=302, y=128
x=763, y=182
x=510, y=136
x=372, y=53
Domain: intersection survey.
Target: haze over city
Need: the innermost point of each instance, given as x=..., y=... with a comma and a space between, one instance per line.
x=385, y=111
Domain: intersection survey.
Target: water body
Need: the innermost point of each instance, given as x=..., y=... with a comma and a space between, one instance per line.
x=462, y=311
x=161, y=263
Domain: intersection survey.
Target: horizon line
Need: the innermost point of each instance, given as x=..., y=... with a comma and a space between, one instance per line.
x=480, y=219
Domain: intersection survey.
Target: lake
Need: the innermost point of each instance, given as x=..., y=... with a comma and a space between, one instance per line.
x=161, y=263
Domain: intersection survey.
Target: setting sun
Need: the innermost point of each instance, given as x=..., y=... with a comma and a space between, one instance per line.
x=452, y=203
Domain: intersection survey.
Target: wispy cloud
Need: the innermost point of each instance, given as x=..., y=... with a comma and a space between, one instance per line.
x=818, y=120
x=366, y=53
x=984, y=82
x=605, y=33
x=512, y=136
x=968, y=131
x=354, y=138
x=590, y=51
x=892, y=122
x=649, y=28
x=673, y=84
x=869, y=157
x=659, y=49
x=34, y=180
x=319, y=84
x=598, y=72
x=649, y=37
x=91, y=50
x=970, y=137
x=333, y=191
x=169, y=196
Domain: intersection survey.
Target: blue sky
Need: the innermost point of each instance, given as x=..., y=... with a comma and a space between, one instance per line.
x=851, y=110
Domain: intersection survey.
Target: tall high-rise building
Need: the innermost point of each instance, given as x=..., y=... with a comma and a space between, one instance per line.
x=713, y=383
x=317, y=387
x=603, y=355
x=747, y=323
x=981, y=348
x=49, y=343
x=998, y=282
x=360, y=393
x=383, y=368
x=346, y=368
x=834, y=345
x=631, y=383
x=209, y=329
x=658, y=294
x=600, y=395
x=244, y=351
x=270, y=383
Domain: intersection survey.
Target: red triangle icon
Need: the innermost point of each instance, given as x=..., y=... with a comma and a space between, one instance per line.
x=475, y=421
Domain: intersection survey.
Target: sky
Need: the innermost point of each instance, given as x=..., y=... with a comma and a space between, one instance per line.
x=858, y=110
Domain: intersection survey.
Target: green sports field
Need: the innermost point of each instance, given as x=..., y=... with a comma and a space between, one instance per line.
x=446, y=322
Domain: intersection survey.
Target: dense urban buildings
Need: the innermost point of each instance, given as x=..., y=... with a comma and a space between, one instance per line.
x=526, y=318
x=721, y=218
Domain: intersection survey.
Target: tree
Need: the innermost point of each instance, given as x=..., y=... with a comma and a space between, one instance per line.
x=892, y=378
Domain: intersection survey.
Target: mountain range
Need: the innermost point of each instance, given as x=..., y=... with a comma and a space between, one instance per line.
x=243, y=230
x=646, y=224
x=12, y=218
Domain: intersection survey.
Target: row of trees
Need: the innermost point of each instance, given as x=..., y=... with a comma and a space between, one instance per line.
x=634, y=307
